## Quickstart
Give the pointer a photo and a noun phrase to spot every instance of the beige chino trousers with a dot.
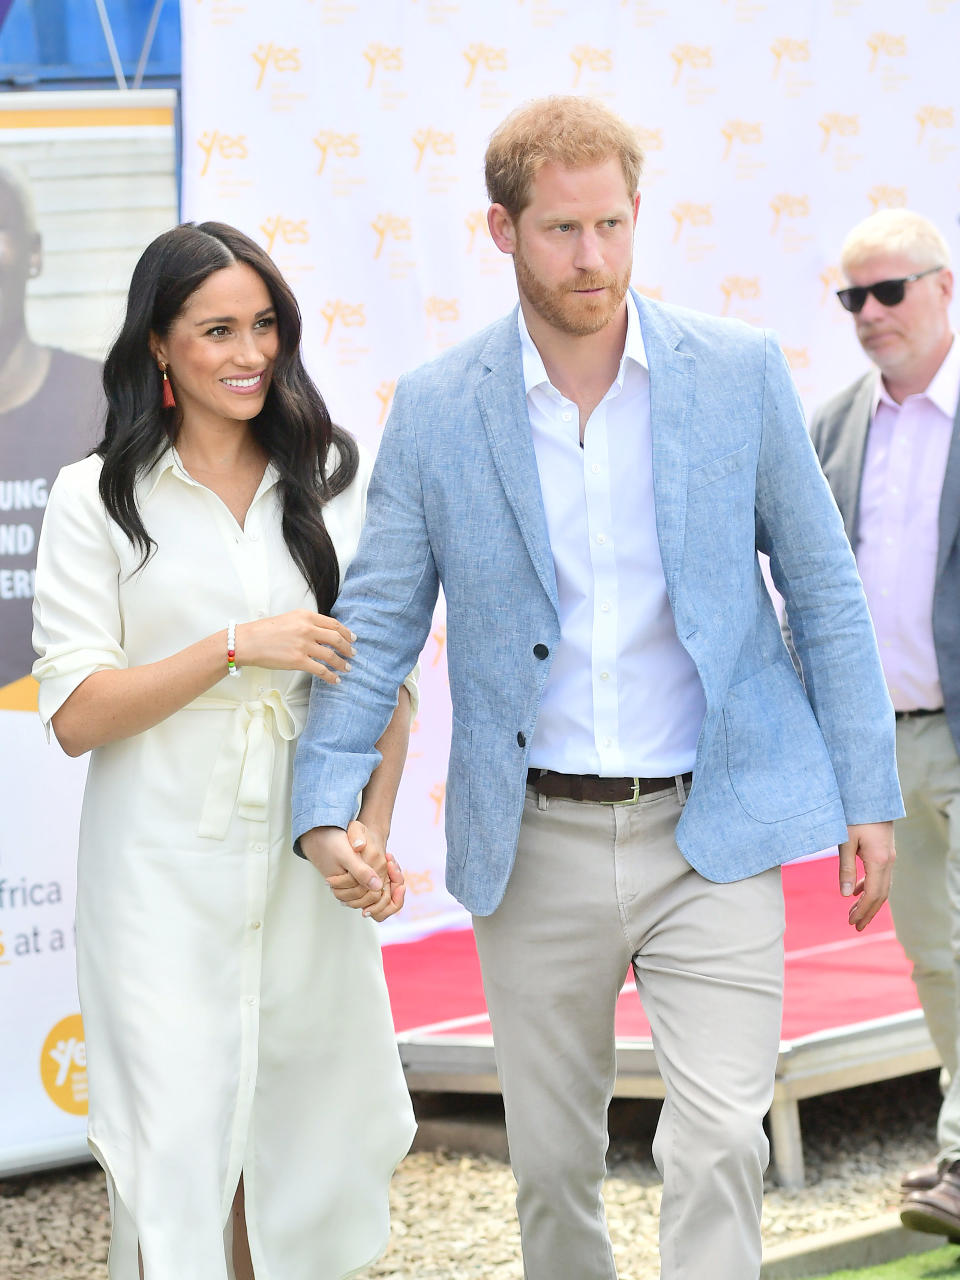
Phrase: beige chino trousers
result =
(925, 895)
(597, 888)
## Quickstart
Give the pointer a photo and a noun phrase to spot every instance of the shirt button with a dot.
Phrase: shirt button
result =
(604, 675)
(595, 468)
(521, 739)
(888, 541)
(540, 651)
(608, 742)
(601, 538)
(566, 415)
(605, 607)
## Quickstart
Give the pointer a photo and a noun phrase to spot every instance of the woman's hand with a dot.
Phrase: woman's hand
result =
(296, 641)
(386, 901)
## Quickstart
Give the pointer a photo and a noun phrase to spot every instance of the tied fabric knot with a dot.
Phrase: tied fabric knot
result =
(244, 768)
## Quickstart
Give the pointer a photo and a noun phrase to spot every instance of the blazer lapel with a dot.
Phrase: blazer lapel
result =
(672, 382)
(846, 471)
(502, 402)
(950, 497)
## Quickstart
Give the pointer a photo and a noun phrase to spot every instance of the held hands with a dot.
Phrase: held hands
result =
(872, 843)
(296, 641)
(357, 868)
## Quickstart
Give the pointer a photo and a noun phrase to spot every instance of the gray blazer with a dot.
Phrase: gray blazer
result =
(782, 766)
(839, 433)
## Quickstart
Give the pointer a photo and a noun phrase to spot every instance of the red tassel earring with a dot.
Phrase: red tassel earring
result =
(168, 400)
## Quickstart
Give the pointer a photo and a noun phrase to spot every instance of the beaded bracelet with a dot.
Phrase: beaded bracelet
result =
(232, 668)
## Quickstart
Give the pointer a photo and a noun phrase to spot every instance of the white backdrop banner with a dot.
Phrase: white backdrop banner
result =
(347, 136)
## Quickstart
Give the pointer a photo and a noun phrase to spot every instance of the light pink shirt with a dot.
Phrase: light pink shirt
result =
(623, 698)
(897, 531)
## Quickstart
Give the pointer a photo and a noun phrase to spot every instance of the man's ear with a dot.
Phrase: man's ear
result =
(502, 228)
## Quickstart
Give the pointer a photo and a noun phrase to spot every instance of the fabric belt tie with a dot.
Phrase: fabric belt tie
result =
(243, 770)
(916, 712)
(590, 787)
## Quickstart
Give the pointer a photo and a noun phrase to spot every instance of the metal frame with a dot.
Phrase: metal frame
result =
(807, 1067)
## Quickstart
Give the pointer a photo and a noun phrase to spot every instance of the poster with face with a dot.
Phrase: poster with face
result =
(85, 183)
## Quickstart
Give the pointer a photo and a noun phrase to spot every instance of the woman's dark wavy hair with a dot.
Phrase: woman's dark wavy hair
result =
(294, 427)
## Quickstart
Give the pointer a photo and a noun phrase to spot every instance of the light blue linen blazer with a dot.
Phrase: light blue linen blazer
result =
(781, 766)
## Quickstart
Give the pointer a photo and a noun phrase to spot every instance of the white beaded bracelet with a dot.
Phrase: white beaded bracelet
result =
(232, 668)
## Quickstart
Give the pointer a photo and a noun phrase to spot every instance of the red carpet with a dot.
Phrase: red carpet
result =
(835, 977)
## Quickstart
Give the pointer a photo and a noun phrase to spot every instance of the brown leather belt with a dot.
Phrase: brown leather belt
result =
(587, 786)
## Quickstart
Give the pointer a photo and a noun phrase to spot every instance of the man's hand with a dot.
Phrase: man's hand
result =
(872, 843)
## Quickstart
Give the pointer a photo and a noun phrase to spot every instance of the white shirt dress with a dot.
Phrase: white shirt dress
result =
(236, 1015)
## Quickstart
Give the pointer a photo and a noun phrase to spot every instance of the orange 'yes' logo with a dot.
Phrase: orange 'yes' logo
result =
(445, 310)
(226, 147)
(797, 357)
(441, 144)
(833, 124)
(385, 224)
(746, 288)
(741, 131)
(585, 56)
(690, 215)
(345, 146)
(483, 55)
(882, 197)
(787, 206)
(791, 50)
(350, 314)
(286, 230)
(832, 279)
(379, 57)
(933, 118)
(881, 43)
(650, 139)
(384, 394)
(270, 55)
(693, 56)
(475, 222)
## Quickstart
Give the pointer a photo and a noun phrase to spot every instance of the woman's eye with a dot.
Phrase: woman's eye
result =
(218, 331)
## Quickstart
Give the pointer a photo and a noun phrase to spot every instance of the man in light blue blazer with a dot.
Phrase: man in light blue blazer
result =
(633, 754)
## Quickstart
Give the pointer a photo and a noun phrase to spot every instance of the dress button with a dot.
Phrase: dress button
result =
(261, 613)
(259, 848)
(255, 924)
(540, 651)
(521, 739)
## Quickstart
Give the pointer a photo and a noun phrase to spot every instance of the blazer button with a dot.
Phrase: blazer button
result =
(521, 739)
(540, 651)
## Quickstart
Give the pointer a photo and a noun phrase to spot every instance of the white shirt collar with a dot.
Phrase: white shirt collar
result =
(169, 460)
(944, 388)
(534, 370)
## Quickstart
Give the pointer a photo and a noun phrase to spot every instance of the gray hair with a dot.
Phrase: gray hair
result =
(896, 231)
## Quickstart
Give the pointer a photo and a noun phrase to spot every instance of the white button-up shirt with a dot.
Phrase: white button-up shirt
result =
(623, 698)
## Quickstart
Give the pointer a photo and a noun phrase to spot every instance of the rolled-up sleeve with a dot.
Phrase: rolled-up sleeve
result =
(77, 626)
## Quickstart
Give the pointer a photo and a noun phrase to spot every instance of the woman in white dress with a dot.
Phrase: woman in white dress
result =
(246, 1097)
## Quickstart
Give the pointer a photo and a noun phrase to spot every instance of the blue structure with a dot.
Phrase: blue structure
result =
(64, 44)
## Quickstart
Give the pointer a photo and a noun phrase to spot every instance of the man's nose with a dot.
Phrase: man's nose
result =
(872, 309)
(588, 257)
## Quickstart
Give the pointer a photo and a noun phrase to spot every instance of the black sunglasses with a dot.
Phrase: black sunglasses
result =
(889, 293)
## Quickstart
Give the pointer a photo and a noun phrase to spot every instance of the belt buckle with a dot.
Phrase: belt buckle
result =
(634, 799)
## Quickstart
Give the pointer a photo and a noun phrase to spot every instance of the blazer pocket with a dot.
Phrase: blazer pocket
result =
(718, 468)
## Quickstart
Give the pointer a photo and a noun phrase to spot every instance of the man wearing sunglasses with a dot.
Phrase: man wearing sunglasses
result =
(890, 447)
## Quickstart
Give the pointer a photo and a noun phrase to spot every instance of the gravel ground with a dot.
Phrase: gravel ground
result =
(453, 1214)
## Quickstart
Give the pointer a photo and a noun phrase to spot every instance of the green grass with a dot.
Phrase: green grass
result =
(935, 1265)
